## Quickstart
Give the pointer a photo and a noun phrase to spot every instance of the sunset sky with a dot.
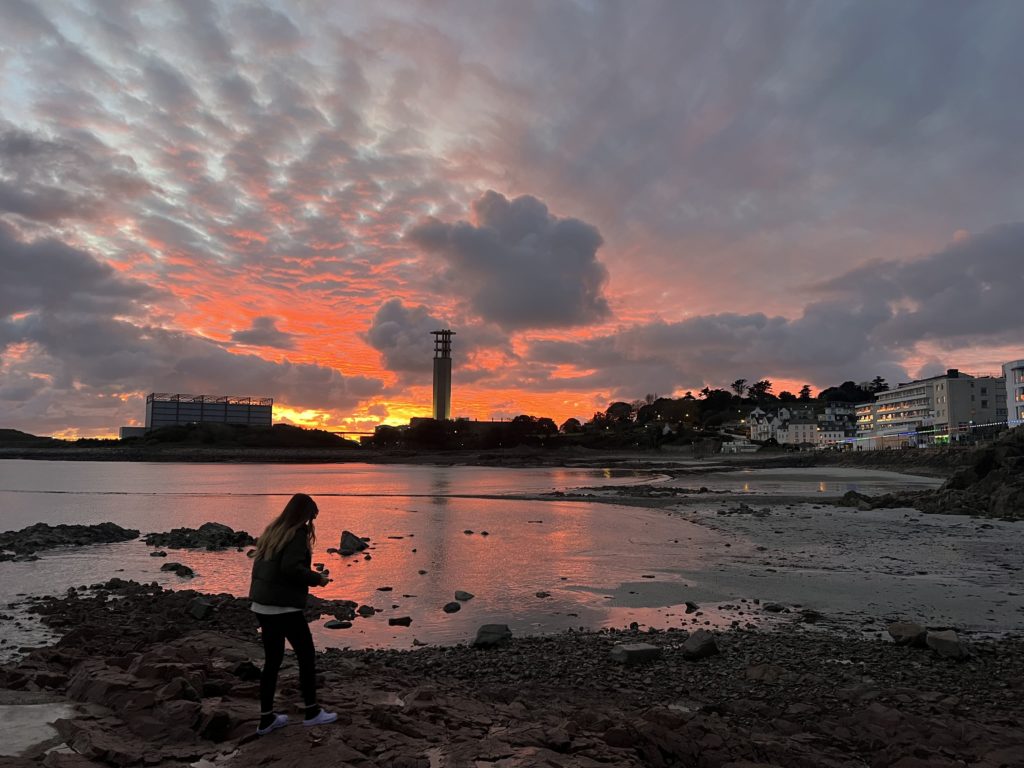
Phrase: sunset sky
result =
(602, 199)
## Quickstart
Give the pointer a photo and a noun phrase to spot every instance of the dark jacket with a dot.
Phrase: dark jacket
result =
(285, 578)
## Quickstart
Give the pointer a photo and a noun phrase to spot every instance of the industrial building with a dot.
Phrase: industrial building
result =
(169, 410)
(443, 374)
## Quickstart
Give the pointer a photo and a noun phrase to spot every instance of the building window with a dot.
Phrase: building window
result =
(984, 403)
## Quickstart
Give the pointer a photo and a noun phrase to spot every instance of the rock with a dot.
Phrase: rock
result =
(158, 553)
(384, 589)
(452, 607)
(634, 653)
(699, 645)
(209, 536)
(774, 607)
(492, 635)
(366, 610)
(691, 606)
(45, 536)
(765, 673)
(199, 608)
(908, 633)
(946, 644)
(463, 596)
(182, 570)
(400, 621)
(350, 544)
(854, 499)
(337, 624)
(543, 594)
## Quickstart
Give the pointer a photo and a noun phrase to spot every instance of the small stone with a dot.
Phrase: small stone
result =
(634, 653)
(543, 594)
(384, 589)
(452, 607)
(158, 553)
(691, 606)
(463, 596)
(337, 624)
(400, 621)
(366, 610)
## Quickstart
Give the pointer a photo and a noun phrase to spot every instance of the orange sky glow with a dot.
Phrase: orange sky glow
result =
(283, 200)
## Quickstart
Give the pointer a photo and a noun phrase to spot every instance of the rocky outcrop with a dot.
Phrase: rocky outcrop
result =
(992, 485)
(176, 689)
(209, 536)
(42, 536)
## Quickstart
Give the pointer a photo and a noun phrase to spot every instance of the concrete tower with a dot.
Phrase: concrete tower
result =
(442, 374)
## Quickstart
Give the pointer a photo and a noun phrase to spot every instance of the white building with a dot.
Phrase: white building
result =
(1013, 375)
(939, 409)
(810, 425)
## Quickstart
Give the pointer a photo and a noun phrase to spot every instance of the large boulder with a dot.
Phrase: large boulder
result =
(699, 645)
(908, 633)
(350, 544)
(492, 635)
(947, 644)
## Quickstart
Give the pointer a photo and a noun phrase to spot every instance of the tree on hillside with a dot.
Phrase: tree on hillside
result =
(689, 396)
(571, 426)
(786, 397)
(805, 393)
(760, 390)
(619, 412)
(878, 384)
(847, 392)
(739, 387)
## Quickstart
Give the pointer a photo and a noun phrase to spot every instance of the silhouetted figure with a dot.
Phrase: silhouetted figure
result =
(281, 578)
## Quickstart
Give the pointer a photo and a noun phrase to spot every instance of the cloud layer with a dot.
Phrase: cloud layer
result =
(282, 198)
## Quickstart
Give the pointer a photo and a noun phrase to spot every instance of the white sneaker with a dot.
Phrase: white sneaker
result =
(280, 721)
(323, 718)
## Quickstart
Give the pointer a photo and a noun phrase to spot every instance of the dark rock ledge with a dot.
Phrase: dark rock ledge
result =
(21, 545)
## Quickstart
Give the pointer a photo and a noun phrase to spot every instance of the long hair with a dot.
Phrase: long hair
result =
(297, 513)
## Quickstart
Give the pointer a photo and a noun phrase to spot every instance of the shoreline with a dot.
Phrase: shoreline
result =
(935, 462)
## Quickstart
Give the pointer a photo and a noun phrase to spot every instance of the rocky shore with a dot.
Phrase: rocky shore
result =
(171, 677)
(208, 536)
(23, 544)
(990, 485)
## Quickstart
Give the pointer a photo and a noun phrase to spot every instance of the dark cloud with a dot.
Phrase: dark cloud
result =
(520, 266)
(969, 291)
(402, 335)
(51, 276)
(49, 180)
(264, 333)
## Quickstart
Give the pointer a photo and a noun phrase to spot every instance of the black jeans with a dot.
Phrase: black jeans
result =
(278, 627)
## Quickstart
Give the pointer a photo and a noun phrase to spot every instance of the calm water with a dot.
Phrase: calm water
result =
(590, 558)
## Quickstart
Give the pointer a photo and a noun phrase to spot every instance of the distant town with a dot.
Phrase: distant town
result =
(949, 409)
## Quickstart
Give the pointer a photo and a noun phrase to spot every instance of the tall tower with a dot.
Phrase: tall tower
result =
(442, 374)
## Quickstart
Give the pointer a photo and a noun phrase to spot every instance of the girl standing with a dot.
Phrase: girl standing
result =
(281, 578)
